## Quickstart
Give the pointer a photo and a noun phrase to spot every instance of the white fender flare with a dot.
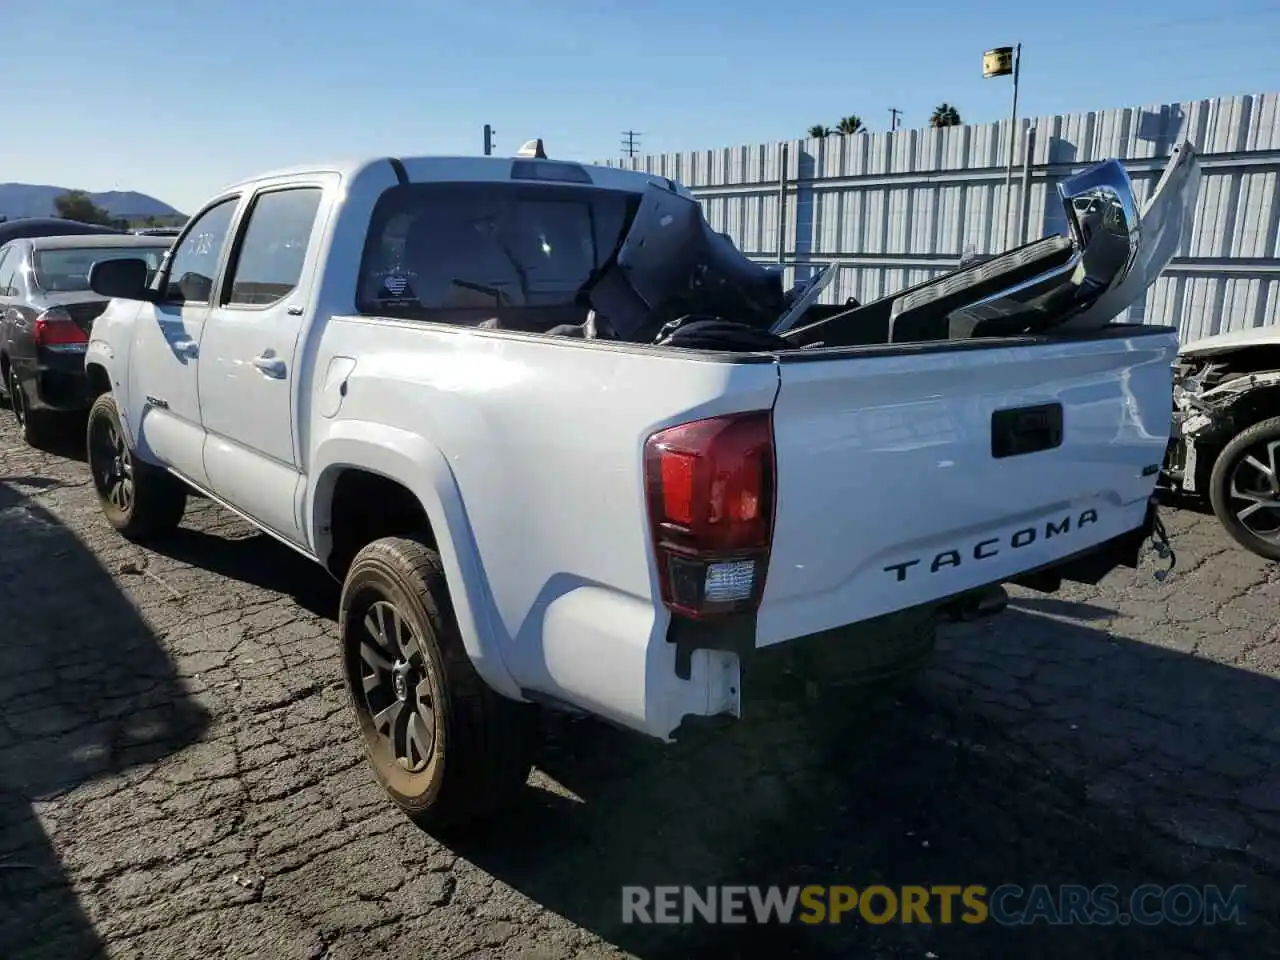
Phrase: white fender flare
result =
(99, 353)
(419, 466)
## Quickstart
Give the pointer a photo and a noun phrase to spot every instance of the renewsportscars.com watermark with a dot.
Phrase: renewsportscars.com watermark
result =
(1006, 905)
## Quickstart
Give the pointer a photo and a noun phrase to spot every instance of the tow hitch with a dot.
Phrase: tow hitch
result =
(977, 605)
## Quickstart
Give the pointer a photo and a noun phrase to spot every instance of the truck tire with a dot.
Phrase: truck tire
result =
(445, 747)
(1246, 500)
(140, 500)
(37, 426)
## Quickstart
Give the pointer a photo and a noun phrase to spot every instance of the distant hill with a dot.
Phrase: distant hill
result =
(36, 200)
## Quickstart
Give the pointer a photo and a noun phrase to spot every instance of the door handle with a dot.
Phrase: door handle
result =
(272, 366)
(186, 348)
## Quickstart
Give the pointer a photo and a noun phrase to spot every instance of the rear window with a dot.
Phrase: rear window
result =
(66, 269)
(453, 251)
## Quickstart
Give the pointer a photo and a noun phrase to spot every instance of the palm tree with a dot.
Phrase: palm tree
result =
(820, 130)
(850, 125)
(945, 115)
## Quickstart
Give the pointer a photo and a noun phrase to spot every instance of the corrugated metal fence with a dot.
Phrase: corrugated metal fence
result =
(901, 207)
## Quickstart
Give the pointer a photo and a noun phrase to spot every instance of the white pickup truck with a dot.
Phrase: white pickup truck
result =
(563, 445)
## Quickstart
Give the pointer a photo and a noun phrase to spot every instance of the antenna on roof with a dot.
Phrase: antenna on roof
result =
(533, 150)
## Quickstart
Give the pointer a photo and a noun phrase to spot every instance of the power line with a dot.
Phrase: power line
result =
(630, 142)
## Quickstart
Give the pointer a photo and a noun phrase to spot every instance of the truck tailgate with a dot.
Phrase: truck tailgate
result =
(909, 477)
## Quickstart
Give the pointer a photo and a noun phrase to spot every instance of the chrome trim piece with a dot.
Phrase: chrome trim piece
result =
(1102, 213)
(1057, 273)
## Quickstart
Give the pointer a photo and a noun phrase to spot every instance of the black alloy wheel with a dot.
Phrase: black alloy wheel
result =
(111, 464)
(399, 687)
(1245, 488)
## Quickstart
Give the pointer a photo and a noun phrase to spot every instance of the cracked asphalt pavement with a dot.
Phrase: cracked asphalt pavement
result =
(179, 777)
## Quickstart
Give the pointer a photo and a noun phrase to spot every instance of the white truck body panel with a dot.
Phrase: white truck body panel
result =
(526, 453)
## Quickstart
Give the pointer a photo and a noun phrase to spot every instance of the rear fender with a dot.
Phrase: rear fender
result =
(421, 468)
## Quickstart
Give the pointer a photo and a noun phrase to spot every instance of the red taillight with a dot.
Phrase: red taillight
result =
(54, 328)
(710, 487)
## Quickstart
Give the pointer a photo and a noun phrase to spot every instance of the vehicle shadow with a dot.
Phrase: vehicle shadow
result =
(1178, 500)
(235, 550)
(1034, 752)
(86, 692)
(67, 439)
(1063, 608)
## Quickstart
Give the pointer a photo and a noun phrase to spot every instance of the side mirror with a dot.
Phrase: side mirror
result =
(124, 279)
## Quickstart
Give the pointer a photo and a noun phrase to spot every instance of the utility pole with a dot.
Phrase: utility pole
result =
(629, 142)
(894, 114)
(488, 140)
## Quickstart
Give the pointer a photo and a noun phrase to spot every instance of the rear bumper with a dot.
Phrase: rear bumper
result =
(55, 382)
(737, 637)
(624, 660)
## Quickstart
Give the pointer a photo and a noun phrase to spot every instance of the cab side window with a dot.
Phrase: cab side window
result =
(194, 264)
(273, 247)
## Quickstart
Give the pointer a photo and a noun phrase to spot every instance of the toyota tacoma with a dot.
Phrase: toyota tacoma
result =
(565, 447)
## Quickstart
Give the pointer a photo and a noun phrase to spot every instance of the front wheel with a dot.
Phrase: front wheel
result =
(140, 500)
(444, 746)
(1244, 488)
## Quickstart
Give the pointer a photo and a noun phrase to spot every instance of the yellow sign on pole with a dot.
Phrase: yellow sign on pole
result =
(997, 62)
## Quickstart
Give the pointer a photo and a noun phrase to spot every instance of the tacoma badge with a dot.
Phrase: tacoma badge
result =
(986, 549)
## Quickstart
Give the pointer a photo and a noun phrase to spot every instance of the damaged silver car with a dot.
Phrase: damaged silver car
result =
(1225, 444)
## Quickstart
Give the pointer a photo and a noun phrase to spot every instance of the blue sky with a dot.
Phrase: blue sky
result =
(178, 97)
